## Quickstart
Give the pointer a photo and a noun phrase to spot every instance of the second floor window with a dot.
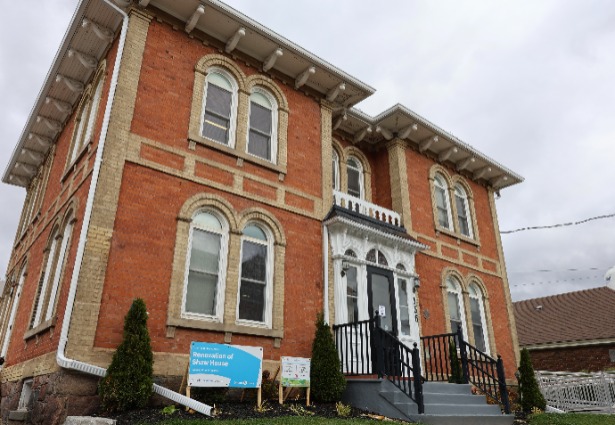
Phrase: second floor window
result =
(220, 106)
(443, 205)
(355, 178)
(464, 219)
(262, 127)
(336, 170)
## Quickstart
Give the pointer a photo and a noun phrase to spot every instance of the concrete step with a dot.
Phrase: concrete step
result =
(88, 420)
(464, 419)
(446, 388)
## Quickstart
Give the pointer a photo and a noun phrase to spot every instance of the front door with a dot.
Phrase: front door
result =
(381, 298)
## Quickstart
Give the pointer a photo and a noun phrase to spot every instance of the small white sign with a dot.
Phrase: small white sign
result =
(382, 311)
(295, 372)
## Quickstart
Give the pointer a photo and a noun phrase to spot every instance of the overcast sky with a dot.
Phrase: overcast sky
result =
(529, 83)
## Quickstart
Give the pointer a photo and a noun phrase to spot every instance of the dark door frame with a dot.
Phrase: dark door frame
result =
(389, 275)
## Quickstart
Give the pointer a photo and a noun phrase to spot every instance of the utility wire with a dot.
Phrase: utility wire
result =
(553, 226)
(555, 281)
(558, 271)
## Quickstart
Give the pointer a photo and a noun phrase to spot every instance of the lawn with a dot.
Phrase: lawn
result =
(571, 419)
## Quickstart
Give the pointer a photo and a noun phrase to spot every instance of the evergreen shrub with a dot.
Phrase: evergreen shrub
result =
(327, 381)
(529, 392)
(129, 379)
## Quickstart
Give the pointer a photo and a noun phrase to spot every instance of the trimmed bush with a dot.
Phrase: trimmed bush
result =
(456, 376)
(529, 392)
(327, 381)
(129, 379)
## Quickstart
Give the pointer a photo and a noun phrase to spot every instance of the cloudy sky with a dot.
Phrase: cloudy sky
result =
(529, 83)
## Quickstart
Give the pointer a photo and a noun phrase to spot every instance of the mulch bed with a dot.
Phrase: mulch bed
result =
(233, 410)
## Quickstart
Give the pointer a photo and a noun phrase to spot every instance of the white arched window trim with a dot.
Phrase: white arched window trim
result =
(59, 269)
(269, 264)
(453, 289)
(233, 107)
(273, 148)
(476, 295)
(222, 265)
(442, 202)
(336, 170)
(358, 168)
(464, 215)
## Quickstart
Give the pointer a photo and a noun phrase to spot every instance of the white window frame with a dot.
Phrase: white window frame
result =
(439, 183)
(476, 293)
(461, 193)
(234, 102)
(359, 168)
(92, 113)
(274, 124)
(268, 276)
(9, 327)
(26, 395)
(456, 290)
(40, 303)
(336, 170)
(59, 270)
(222, 265)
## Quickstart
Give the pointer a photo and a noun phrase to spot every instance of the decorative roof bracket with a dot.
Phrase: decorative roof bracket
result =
(52, 124)
(33, 155)
(63, 107)
(426, 144)
(385, 133)
(104, 33)
(339, 121)
(30, 169)
(497, 181)
(360, 135)
(73, 85)
(465, 163)
(42, 141)
(447, 153)
(87, 61)
(335, 91)
(479, 174)
(272, 58)
(232, 42)
(405, 132)
(194, 19)
(304, 76)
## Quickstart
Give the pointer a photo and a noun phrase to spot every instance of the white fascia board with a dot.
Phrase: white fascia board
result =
(75, 23)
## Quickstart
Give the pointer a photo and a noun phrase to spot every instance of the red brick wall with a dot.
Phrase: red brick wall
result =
(164, 99)
(140, 265)
(574, 359)
(58, 192)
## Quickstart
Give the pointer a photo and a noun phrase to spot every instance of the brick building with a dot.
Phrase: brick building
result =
(182, 153)
(571, 332)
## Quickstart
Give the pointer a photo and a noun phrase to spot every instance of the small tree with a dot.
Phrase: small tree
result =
(327, 381)
(129, 379)
(529, 393)
(455, 376)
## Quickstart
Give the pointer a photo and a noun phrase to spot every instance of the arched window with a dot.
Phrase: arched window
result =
(455, 306)
(464, 218)
(479, 325)
(355, 178)
(336, 170)
(255, 287)
(443, 204)
(204, 284)
(87, 114)
(49, 282)
(376, 256)
(220, 107)
(404, 294)
(262, 133)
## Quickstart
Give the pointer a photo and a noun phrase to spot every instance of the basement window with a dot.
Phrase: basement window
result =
(26, 395)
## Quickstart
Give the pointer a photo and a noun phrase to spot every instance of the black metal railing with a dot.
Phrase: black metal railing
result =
(366, 349)
(440, 352)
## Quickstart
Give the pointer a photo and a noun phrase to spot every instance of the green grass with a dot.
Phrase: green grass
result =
(571, 419)
(285, 420)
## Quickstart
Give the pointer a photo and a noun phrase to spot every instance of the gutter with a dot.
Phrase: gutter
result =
(62, 359)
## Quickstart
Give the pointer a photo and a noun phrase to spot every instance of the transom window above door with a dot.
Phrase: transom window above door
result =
(376, 256)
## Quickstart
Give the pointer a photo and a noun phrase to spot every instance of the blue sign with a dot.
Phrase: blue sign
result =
(221, 365)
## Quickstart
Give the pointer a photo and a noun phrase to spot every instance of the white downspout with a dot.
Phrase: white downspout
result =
(62, 360)
(325, 256)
